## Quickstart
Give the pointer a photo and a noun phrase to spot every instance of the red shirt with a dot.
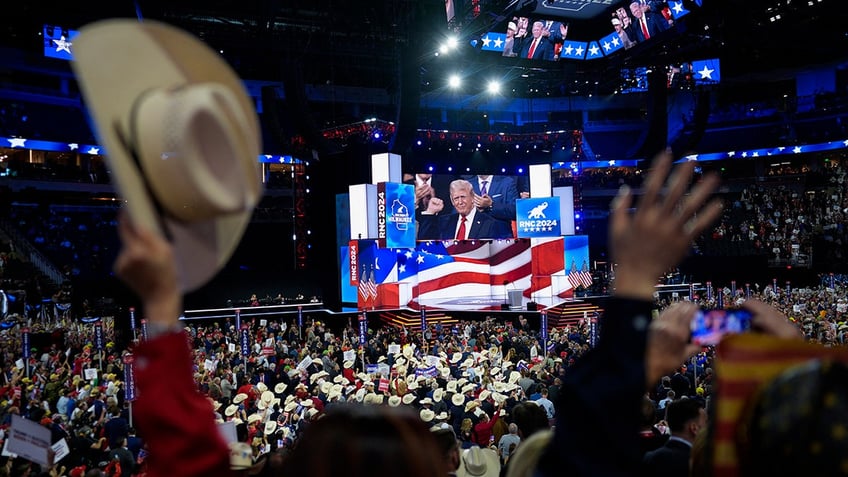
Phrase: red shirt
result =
(176, 420)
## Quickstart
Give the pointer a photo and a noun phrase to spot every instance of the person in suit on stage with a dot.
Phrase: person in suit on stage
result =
(537, 47)
(428, 186)
(464, 224)
(495, 195)
(645, 26)
(686, 418)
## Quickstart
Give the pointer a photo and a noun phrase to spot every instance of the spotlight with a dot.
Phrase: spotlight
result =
(494, 87)
(454, 81)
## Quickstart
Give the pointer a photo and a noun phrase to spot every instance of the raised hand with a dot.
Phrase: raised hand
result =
(654, 238)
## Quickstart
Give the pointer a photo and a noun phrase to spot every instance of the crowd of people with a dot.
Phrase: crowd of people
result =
(479, 398)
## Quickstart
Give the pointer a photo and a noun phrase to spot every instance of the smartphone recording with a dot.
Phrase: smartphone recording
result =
(710, 326)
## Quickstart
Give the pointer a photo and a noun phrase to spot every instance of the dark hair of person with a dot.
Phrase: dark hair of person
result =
(360, 441)
(530, 418)
(679, 412)
(649, 413)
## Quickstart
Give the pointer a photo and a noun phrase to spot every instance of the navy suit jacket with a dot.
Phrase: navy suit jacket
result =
(653, 27)
(503, 191)
(672, 459)
(544, 50)
(443, 227)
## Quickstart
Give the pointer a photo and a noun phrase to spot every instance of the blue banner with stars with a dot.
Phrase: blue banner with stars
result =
(538, 217)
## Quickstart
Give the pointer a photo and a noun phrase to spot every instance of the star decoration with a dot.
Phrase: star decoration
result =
(17, 142)
(845, 142)
(745, 154)
(677, 7)
(797, 150)
(63, 45)
(731, 153)
(420, 259)
(781, 148)
(486, 41)
(693, 157)
(756, 154)
(615, 41)
(408, 254)
(594, 50)
(498, 43)
(94, 151)
(706, 73)
(578, 51)
(73, 146)
(402, 268)
(568, 49)
(607, 46)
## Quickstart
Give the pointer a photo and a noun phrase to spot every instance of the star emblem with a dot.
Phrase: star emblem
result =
(594, 50)
(693, 157)
(408, 254)
(781, 148)
(845, 143)
(420, 259)
(486, 41)
(706, 73)
(17, 142)
(568, 49)
(797, 150)
(73, 146)
(94, 151)
(745, 154)
(731, 153)
(63, 45)
(579, 51)
(498, 43)
(677, 7)
(607, 46)
(615, 41)
(756, 154)
(402, 268)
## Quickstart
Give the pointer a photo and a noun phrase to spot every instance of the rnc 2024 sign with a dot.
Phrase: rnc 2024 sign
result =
(538, 217)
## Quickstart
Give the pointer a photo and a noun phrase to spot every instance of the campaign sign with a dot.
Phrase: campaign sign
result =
(144, 330)
(538, 217)
(395, 215)
(544, 327)
(245, 341)
(25, 341)
(29, 439)
(132, 318)
(98, 336)
(363, 328)
(129, 377)
(423, 319)
(299, 317)
(238, 319)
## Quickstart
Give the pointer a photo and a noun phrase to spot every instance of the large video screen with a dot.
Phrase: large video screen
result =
(551, 32)
(489, 199)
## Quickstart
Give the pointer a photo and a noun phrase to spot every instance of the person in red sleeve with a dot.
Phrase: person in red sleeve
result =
(169, 410)
(482, 434)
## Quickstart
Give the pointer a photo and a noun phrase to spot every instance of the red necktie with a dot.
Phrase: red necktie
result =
(460, 234)
(532, 49)
(645, 28)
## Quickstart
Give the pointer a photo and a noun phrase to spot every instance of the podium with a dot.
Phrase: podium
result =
(514, 298)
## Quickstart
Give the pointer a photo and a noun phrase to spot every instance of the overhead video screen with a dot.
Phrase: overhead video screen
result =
(557, 30)
(58, 42)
